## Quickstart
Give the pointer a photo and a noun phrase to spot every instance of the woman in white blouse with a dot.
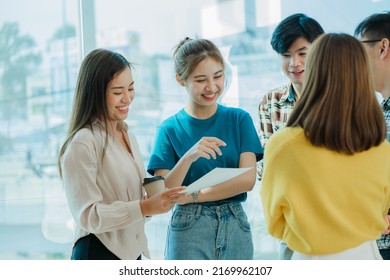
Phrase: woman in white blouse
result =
(101, 165)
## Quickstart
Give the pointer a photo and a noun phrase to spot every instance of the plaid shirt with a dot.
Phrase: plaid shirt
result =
(386, 109)
(384, 241)
(274, 111)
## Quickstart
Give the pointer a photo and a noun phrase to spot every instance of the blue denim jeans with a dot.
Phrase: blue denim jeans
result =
(202, 232)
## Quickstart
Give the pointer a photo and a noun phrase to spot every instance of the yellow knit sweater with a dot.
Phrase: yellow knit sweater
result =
(323, 202)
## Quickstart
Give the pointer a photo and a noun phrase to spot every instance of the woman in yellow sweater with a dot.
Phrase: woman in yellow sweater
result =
(326, 183)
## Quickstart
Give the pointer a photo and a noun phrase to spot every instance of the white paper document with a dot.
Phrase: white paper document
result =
(214, 177)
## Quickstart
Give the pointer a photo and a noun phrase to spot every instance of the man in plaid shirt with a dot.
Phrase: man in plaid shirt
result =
(374, 33)
(291, 40)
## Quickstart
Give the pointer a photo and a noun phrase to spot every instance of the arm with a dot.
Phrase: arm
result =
(240, 184)
(387, 231)
(161, 203)
(207, 147)
(85, 199)
(264, 129)
(272, 209)
(249, 150)
(98, 213)
(272, 193)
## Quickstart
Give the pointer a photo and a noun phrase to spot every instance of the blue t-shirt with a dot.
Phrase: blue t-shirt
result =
(177, 134)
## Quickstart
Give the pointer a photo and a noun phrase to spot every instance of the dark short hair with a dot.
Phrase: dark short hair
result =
(375, 26)
(292, 28)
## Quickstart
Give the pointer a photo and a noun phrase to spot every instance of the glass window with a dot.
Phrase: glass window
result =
(40, 55)
(39, 60)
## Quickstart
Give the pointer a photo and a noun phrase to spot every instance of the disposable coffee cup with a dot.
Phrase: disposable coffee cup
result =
(154, 185)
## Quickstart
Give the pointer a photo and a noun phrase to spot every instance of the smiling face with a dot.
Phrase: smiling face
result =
(293, 62)
(205, 85)
(119, 95)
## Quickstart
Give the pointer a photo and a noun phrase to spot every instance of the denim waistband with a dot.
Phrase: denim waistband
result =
(231, 208)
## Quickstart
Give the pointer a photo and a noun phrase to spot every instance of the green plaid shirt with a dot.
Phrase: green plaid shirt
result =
(384, 241)
(386, 109)
(274, 111)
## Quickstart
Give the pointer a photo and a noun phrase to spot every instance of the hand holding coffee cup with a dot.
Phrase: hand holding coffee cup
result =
(154, 185)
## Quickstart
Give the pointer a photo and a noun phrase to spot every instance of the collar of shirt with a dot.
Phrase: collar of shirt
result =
(121, 125)
(289, 95)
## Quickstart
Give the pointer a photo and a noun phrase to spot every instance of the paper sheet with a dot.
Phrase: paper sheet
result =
(214, 177)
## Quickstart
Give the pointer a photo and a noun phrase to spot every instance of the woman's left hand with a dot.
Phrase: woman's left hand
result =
(186, 199)
(387, 231)
(161, 202)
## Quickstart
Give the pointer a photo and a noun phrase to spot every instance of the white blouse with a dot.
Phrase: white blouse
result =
(103, 195)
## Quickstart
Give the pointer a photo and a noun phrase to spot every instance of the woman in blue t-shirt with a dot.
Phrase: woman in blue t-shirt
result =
(210, 224)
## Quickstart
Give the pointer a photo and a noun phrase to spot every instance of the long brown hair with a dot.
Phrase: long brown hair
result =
(97, 70)
(338, 108)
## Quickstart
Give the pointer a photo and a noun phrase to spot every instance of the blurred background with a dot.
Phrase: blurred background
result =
(42, 44)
